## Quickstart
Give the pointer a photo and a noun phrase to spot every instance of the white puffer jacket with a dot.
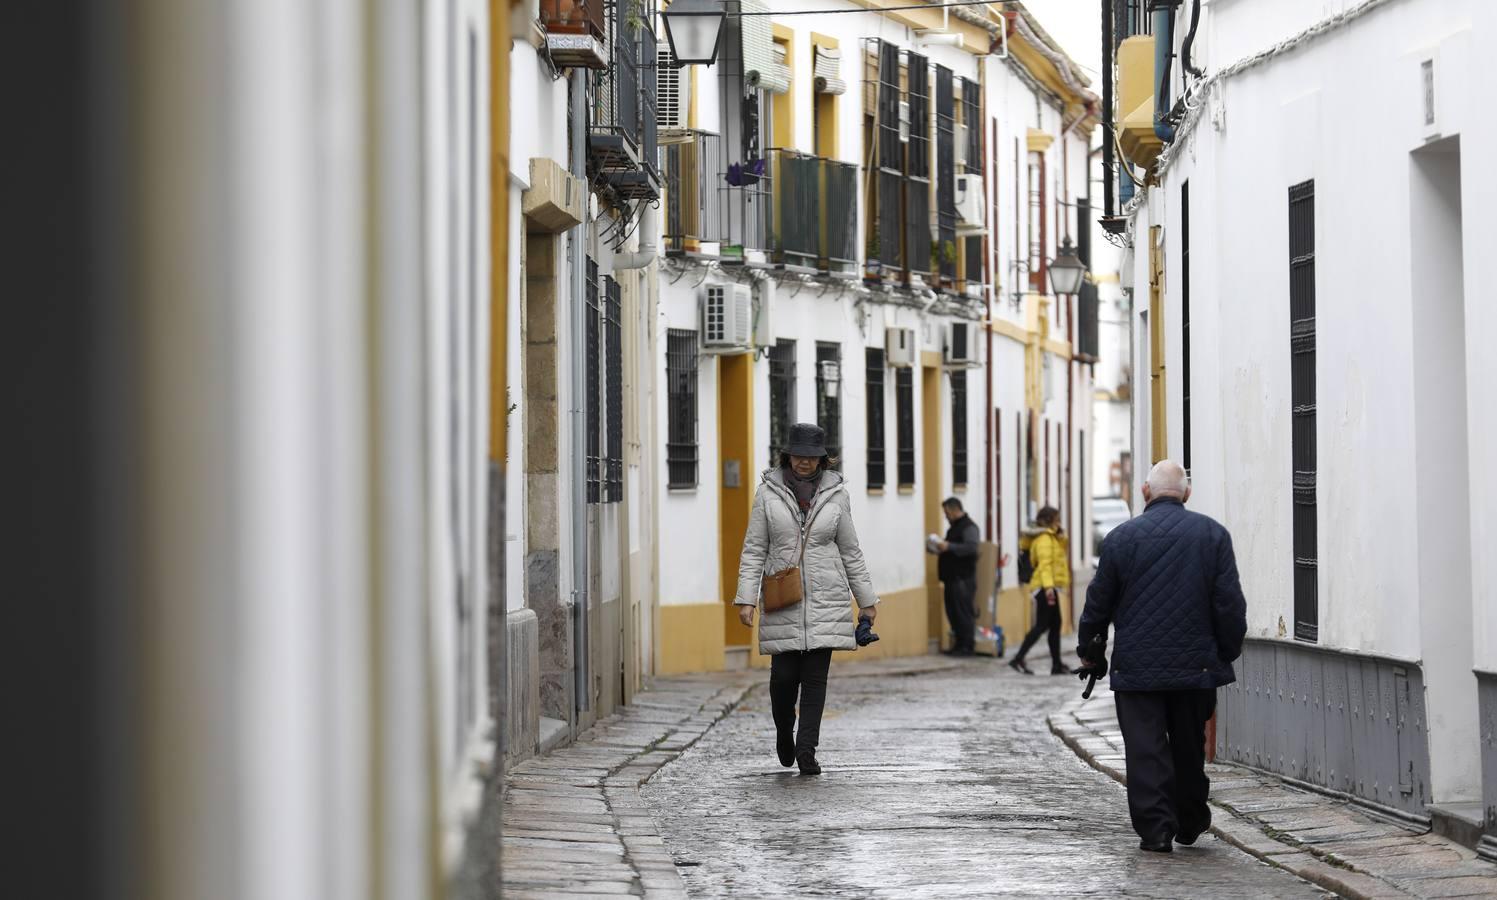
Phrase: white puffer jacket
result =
(833, 571)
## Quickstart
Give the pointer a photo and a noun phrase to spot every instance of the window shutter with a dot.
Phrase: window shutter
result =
(762, 68)
(828, 71)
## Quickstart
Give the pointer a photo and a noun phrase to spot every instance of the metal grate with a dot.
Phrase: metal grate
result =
(781, 397)
(917, 242)
(904, 403)
(917, 151)
(972, 118)
(946, 173)
(1303, 409)
(959, 427)
(1037, 262)
(829, 407)
(613, 333)
(874, 385)
(670, 111)
(594, 413)
(681, 408)
(797, 194)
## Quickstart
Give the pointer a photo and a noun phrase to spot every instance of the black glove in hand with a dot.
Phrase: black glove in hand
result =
(1093, 667)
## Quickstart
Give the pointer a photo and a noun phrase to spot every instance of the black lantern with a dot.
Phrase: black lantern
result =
(694, 29)
(1066, 270)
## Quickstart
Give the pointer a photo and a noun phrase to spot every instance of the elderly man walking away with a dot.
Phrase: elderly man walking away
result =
(1167, 583)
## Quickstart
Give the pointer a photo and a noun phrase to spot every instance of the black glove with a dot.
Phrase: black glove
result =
(1094, 666)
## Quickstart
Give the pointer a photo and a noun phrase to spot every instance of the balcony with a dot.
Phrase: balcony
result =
(815, 213)
(693, 210)
(622, 132)
(1135, 101)
(575, 31)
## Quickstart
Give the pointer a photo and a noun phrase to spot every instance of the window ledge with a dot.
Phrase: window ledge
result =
(959, 488)
(876, 491)
(682, 490)
(907, 489)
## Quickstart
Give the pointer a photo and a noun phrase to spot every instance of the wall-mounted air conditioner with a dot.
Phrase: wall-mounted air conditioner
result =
(962, 351)
(900, 347)
(971, 202)
(961, 145)
(904, 121)
(672, 98)
(727, 317)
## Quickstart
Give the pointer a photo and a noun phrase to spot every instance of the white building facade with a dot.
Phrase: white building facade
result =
(1308, 274)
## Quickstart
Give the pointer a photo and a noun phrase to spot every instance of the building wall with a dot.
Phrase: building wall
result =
(1388, 341)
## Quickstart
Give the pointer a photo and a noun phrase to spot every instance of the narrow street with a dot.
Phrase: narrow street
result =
(935, 785)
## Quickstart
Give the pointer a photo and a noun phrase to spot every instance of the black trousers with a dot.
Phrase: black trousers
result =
(959, 612)
(802, 673)
(1164, 738)
(1046, 618)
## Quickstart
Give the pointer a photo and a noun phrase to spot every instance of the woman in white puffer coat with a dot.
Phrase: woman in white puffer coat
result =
(803, 498)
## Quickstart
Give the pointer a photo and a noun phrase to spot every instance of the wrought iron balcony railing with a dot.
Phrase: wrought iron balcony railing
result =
(693, 211)
(623, 131)
(815, 213)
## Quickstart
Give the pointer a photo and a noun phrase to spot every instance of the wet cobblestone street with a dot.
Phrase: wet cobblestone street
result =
(936, 785)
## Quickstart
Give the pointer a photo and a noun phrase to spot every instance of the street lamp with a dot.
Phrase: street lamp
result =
(694, 29)
(1066, 270)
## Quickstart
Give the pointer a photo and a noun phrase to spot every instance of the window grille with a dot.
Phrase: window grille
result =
(829, 408)
(1303, 409)
(959, 427)
(613, 475)
(681, 408)
(1037, 262)
(904, 401)
(946, 174)
(972, 118)
(594, 413)
(874, 378)
(781, 397)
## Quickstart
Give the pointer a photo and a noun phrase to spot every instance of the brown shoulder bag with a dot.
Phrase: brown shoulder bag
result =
(783, 589)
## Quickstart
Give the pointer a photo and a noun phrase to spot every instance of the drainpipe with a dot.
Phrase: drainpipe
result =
(1107, 112)
(1164, 46)
(580, 660)
(648, 237)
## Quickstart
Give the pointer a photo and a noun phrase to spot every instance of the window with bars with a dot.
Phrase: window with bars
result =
(959, 427)
(904, 411)
(1185, 322)
(594, 411)
(1303, 409)
(681, 408)
(874, 385)
(946, 174)
(884, 190)
(613, 334)
(829, 401)
(972, 118)
(781, 397)
(998, 473)
(1037, 264)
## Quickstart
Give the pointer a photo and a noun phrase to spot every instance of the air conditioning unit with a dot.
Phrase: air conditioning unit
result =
(904, 121)
(962, 350)
(961, 145)
(672, 98)
(727, 317)
(970, 204)
(900, 348)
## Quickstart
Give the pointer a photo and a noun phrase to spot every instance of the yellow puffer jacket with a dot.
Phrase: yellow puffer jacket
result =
(1050, 553)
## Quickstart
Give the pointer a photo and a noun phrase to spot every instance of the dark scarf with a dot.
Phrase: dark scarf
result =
(804, 488)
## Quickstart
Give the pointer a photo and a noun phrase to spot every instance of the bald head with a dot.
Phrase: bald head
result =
(1167, 479)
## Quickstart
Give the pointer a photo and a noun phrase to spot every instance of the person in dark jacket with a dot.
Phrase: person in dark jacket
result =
(957, 568)
(1167, 583)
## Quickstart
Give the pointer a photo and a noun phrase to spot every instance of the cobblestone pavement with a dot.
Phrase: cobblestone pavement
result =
(1331, 842)
(942, 785)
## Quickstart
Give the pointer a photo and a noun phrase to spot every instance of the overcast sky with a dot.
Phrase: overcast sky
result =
(1077, 25)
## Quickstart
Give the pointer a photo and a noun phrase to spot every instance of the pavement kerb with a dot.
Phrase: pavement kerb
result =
(1300, 859)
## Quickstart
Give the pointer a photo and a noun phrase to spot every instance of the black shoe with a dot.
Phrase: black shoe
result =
(1164, 846)
(1190, 837)
(1060, 669)
(807, 761)
(784, 744)
(1018, 666)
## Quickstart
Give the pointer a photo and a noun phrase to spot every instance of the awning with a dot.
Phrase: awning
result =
(828, 71)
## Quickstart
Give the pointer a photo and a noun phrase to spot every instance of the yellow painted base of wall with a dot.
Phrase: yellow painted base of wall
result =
(691, 639)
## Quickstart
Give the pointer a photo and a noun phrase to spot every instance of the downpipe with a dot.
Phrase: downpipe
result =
(648, 250)
(581, 689)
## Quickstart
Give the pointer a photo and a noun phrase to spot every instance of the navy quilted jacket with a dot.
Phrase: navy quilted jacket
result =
(1167, 583)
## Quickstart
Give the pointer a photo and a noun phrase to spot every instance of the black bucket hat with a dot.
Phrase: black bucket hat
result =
(806, 439)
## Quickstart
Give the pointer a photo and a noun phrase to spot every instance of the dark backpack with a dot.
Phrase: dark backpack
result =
(1026, 567)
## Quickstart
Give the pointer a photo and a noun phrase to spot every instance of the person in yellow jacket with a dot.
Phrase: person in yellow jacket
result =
(1049, 553)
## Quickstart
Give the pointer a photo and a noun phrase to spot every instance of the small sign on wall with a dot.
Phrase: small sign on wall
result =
(731, 475)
